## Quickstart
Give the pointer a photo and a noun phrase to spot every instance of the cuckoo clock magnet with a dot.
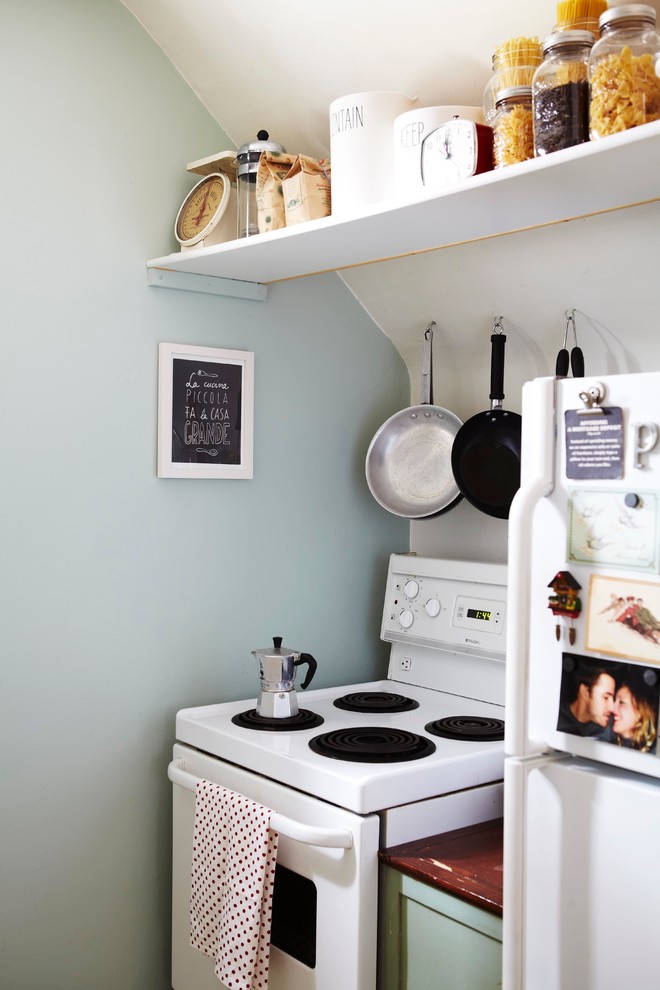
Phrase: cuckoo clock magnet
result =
(564, 602)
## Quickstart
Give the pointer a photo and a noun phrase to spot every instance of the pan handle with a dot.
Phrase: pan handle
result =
(426, 394)
(497, 340)
(576, 355)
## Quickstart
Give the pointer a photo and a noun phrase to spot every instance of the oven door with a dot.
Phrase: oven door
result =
(324, 930)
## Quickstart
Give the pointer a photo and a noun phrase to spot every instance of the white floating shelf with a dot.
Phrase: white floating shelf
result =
(598, 177)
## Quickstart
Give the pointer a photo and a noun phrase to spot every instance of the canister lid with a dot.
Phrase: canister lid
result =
(628, 11)
(514, 93)
(559, 39)
(248, 155)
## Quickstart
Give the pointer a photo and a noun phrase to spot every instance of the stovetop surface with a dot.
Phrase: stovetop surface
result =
(361, 787)
(445, 621)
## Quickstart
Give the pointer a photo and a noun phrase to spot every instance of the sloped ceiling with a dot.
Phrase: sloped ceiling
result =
(278, 65)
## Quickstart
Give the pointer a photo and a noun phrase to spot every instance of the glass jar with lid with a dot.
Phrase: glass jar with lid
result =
(625, 88)
(513, 127)
(514, 63)
(560, 92)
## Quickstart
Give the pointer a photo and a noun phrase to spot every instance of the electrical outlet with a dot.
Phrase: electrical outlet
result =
(405, 663)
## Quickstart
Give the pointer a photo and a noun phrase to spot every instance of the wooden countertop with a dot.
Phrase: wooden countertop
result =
(466, 863)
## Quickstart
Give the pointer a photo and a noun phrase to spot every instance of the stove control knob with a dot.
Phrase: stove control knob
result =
(411, 589)
(406, 618)
(432, 607)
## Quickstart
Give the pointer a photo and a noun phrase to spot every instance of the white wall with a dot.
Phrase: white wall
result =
(125, 597)
(604, 267)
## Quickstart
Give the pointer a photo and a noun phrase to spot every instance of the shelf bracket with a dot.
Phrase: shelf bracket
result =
(165, 278)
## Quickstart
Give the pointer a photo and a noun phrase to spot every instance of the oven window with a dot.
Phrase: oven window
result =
(293, 928)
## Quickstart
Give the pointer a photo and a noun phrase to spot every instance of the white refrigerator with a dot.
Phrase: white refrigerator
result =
(582, 769)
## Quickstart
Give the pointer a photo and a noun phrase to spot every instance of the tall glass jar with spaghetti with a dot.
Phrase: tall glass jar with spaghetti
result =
(579, 15)
(625, 89)
(514, 63)
(560, 92)
(513, 128)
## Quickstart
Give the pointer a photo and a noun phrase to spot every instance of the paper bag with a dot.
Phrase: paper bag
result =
(273, 166)
(307, 190)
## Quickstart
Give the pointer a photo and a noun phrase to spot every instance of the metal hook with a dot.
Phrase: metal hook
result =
(570, 320)
(498, 326)
(428, 333)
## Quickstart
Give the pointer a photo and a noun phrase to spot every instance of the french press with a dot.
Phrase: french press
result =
(246, 179)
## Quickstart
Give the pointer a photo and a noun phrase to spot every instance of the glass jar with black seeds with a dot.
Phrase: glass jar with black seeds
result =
(560, 92)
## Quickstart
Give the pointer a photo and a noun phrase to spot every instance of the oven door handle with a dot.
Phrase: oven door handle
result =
(333, 838)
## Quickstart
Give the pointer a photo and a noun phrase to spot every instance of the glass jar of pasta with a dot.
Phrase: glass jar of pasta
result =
(514, 63)
(513, 127)
(625, 89)
(579, 15)
(560, 92)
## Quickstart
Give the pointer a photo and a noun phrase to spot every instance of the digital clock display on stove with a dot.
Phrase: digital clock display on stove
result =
(481, 615)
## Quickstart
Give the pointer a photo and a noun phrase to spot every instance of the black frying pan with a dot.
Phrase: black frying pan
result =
(485, 457)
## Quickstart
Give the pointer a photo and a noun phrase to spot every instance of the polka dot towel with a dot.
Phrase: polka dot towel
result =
(233, 872)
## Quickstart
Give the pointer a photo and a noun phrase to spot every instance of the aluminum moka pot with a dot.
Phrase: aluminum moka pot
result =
(277, 671)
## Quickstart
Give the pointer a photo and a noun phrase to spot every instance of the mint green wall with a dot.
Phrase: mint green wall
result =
(125, 597)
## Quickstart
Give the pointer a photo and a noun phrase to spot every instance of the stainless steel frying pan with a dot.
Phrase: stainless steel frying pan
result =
(408, 464)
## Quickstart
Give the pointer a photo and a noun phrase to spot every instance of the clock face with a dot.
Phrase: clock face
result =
(202, 208)
(449, 154)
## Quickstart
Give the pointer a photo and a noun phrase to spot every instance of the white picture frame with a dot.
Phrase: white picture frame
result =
(205, 412)
(623, 618)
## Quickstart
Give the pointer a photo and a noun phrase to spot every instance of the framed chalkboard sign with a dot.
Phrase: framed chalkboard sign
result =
(205, 412)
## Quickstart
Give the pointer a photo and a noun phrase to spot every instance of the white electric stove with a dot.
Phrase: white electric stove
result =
(344, 783)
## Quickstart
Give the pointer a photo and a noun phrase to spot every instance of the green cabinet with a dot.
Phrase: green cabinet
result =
(431, 940)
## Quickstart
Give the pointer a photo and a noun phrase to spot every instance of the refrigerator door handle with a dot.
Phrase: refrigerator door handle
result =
(537, 481)
(515, 854)
(332, 838)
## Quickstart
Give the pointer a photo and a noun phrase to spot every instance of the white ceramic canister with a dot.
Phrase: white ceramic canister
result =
(410, 129)
(361, 148)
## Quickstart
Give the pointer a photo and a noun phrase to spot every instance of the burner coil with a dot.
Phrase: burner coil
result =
(471, 728)
(372, 745)
(304, 719)
(377, 702)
